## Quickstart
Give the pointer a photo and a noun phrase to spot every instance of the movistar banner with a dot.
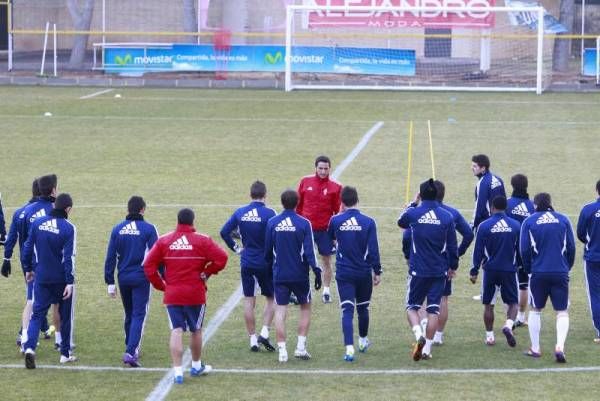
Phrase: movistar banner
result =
(345, 60)
(589, 62)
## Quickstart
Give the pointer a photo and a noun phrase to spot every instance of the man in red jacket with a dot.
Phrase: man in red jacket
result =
(189, 259)
(319, 200)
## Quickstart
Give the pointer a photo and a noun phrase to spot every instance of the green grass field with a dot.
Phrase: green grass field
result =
(203, 149)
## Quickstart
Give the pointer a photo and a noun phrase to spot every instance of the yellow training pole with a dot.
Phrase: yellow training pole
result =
(409, 169)
(431, 149)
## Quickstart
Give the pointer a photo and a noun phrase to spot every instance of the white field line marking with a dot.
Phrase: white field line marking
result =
(163, 388)
(362, 372)
(297, 120)
(467, 212)
(288, 99)
(91, 95)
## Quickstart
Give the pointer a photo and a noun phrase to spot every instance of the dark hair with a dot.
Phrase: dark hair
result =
(135, 204)
(63, 201)
(598, 187)
(441, 190)
(322, 159)
(542, 202)
(427, 190)
(289, 199)
(35, 188)
(519, 183)
(258, 190)
(481, 161)
(349, 196)
(47, 183)
(185, 216)
(499, 203)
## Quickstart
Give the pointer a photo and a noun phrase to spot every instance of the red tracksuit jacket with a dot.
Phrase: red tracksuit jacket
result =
(185, 255)
(319, 200)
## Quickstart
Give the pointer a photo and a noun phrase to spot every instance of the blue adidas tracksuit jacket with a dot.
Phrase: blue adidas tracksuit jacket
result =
(357, 252)
(33, 211)
(251, 220)
(50, 252)
(488, 187)
(547, 243)
(433, 246)
(519, 208)
(14, 230)
(496, 244)
(588, 231)
(129, 242)
(461, 226)
(289, 247)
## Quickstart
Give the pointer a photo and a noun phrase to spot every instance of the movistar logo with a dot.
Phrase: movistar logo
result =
(123, 60)
(273, 59)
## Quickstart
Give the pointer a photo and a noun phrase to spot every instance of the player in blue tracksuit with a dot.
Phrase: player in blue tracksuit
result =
(42, 207)
(433, 259)
(49, 256)
(496, 249)
(488, 187)
(588, 232)
(548, 251)
(467, 236)
(289, 250)
(250, 222)
(519, 207)
(130, 241)
(357, 265)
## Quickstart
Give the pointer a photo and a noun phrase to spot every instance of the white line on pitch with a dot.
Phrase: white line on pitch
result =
(344, 372)
(163, 388)
(91, 95)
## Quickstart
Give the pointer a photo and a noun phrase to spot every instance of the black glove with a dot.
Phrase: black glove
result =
(6, 268)
(318, 280)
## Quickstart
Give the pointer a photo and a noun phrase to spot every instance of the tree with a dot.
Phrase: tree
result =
(190, 20)
(82, 20)
(562, 47)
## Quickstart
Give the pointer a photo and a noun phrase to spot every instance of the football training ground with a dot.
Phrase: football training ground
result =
(203, 149)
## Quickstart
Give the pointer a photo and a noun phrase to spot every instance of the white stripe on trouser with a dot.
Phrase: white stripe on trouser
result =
(408, 280)
(72, 317)
(589, 296)
(139, 346)
(200, 317)
(169, 317)
(531, 299)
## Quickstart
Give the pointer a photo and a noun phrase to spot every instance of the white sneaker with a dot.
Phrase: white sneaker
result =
(283, 355)
(69, 359)
(302, 354)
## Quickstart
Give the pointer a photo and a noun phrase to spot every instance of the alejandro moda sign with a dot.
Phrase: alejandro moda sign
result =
(181, 57)
(399, 19)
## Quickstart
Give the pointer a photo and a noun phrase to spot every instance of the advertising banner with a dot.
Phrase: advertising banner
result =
(589, 62)
(401, 19)
(182, 57)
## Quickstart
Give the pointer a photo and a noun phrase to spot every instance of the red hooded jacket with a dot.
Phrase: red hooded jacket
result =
(185, 255)
(319, 200)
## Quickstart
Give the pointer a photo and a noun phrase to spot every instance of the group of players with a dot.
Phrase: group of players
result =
(525, 249)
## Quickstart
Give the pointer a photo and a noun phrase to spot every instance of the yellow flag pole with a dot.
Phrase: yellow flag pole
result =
(409, 169)
(431, 149)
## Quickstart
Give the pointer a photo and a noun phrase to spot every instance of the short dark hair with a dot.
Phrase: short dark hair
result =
(35, 188)
(441, 190)
(542, 202)
(322, 159)
(258, 190)
(349, 196)
(63, 201)
(427, 190)
(289, 199)
(186, 216)
(499, 203)
(481, 161)
(519, 182)
(47, 183)
(598, 187)
(135, 204)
